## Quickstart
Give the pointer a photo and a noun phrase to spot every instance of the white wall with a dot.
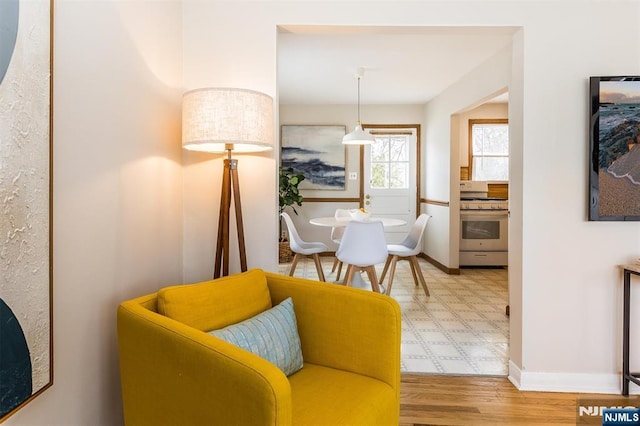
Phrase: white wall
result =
(516, 107)
(342, 115)
(571, 285)
(567, 274)
(228, 56)
(116, 190)
(442, 140)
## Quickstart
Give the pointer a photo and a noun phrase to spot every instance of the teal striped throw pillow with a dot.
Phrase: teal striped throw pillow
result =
(272, 335)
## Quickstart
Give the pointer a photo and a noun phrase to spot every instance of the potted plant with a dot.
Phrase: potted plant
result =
(289, 195)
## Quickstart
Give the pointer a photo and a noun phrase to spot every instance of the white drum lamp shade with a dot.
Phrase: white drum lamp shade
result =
(227, 120)
(218, 119)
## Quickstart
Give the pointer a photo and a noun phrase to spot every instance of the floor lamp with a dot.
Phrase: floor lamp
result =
(226, 120)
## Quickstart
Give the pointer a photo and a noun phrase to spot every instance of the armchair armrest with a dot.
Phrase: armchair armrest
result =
(174, 374)
(344, 328)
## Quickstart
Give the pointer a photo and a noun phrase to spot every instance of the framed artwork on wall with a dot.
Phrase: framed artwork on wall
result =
(317, 152)
(26, 337)
(614, 143)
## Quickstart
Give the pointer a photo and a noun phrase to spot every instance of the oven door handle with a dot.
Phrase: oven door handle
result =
(484, 213)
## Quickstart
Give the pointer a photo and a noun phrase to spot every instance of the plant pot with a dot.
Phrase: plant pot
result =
(285, 255)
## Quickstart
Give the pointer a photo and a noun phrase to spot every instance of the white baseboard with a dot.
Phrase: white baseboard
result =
(568, 382)
(515, 375)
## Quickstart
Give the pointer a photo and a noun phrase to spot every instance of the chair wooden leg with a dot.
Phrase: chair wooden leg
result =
(294, 262)
(316, 259)
(371, 273)
(335, 263)
(339, 270)
(386, 266)
(413, 271)
(348, 276)
(416, 265)
(392, 273)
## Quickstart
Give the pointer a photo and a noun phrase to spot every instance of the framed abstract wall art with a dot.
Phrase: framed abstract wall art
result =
(317, 152)
(26, 366)
(614, 162)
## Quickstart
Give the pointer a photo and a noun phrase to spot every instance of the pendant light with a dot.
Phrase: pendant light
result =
(358, 136)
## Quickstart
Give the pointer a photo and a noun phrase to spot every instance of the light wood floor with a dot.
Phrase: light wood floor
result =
(465, 400)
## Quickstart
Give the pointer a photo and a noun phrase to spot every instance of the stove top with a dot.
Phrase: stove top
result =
(473, 196)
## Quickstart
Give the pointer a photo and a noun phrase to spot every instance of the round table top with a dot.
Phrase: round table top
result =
(333, 222)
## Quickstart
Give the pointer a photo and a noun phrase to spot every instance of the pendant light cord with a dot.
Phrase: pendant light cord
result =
(359, 100)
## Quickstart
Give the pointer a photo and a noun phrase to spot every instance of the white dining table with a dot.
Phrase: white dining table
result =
(332, 222)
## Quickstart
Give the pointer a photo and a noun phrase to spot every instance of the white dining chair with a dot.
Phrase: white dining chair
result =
(407, 250)
(362, 247)
(302, 248)
(336, 236)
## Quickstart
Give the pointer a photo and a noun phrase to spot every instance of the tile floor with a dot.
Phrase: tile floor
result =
(461, 329)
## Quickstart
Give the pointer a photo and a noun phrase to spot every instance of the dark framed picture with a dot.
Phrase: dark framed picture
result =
(614, 143)
(317, 152)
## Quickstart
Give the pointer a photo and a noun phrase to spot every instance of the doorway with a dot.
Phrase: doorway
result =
(391, 175)
(439, 159)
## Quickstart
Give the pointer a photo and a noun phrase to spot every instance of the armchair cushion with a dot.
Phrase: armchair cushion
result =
(272, 335)
(324, 396)
(218, 303)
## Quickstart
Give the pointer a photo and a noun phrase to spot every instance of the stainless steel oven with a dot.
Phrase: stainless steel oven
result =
(484, 230)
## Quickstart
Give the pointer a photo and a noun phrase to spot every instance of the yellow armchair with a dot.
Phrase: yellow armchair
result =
(177, 374)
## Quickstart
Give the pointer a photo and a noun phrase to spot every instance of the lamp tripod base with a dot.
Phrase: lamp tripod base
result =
(230, 189)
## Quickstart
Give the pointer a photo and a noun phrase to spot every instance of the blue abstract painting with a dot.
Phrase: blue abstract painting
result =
(316, 152)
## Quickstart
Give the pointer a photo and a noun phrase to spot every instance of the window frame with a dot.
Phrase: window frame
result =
(389, 162)
(470, 137)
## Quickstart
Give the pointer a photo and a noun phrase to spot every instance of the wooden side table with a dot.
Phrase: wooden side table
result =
(627, 375)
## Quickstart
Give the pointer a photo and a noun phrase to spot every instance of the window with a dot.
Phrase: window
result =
(489, 149)
(390, 162)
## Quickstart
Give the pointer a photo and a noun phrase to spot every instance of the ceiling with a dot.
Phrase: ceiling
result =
(402, 65)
